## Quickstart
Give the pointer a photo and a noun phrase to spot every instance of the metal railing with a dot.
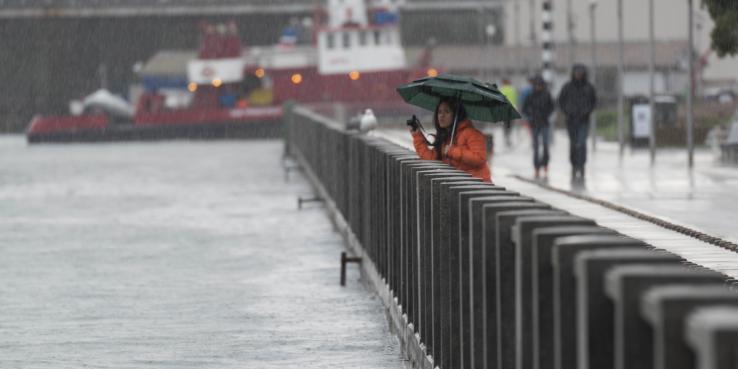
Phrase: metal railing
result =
(483, 277)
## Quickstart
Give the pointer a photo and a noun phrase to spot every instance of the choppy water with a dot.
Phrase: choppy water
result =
(173, 255)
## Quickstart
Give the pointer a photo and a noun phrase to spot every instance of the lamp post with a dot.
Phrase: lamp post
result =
(651, 63)
(516, 10)
(570, 34)
(531, 37)
(517, 54)
(547, 41)
(621, 77)
(532, 22)
(690, 111)
(489, 33)
(593, 51)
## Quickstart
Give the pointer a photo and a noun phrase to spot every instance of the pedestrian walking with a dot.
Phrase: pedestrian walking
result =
(468, 152)
(511, 93)
(577, 100)
(526, 90)
(538, 107)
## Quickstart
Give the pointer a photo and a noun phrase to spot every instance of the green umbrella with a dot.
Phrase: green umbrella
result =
(482, 101)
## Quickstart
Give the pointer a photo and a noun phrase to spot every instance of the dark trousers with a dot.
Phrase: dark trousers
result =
(578, 129)
(540, 133)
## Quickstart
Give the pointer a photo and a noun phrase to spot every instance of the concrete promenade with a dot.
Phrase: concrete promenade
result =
(705, 199)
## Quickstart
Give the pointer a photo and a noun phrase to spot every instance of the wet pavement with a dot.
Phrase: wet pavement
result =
(174, 255)
(704, 199)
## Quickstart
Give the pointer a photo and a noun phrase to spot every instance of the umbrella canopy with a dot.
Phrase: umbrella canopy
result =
(482, 101)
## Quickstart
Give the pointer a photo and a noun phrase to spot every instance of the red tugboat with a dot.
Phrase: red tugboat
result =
(228, 91)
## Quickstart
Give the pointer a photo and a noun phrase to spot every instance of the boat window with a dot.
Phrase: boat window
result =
(330, 41)
(362, 38)
(346, 40)
(388, 38)
(377, 40)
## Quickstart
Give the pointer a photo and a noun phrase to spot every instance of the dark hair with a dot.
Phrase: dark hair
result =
(444, 134)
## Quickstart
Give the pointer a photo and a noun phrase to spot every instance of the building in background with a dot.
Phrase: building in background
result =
(493, 63)
(52, 55)
(670, 30)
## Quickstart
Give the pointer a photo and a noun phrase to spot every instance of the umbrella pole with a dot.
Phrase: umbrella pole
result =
(453, 131)
(456, 118)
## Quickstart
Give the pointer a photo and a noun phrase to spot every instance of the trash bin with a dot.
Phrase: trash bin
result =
(664, 116)
(640, 121)
(665, 112)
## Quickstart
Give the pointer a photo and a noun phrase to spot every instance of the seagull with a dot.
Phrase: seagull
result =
(368, 121)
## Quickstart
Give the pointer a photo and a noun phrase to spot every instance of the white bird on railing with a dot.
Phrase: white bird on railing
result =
(368, 121)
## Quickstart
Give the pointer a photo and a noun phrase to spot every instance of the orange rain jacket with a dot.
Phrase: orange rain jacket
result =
(469, 152)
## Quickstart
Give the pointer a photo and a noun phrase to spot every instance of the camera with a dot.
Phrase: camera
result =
(413, 122)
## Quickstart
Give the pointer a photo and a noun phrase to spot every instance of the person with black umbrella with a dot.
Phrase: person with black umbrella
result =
(455, 100)
(468, 152)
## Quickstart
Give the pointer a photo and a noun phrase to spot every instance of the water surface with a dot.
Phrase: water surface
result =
(173, 254)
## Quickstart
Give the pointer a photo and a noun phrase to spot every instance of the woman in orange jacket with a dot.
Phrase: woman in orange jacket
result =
(468, 152)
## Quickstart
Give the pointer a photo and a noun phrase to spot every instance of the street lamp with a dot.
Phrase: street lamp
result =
(490, 30)
(651, 63)
(621, 77)
(532, 21)
(570, 33)
(593, 51)
(690, 111)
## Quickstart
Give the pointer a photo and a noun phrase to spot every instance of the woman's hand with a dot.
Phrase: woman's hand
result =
(413, 124)
(445, 150)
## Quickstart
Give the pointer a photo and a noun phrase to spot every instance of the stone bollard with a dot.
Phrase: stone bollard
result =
(432, 235)
(625, 285)
(542, 288)
(470, 293)
(484, 254)
(394, 216)
(505, 282)
(446, 260)
(595, 311)
(427, 222)
(432, 215)
(667, 308)
(389, 187)
(431, 257)
(398, 224)
(464, 203)
(712, 333)
(426, 258)
(522, 235)
(564, 288)
(412, 221)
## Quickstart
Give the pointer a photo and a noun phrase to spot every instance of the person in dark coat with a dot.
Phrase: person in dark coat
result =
(577, 100)
(538, 107)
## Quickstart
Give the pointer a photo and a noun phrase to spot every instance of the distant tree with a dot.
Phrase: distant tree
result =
(725, 34)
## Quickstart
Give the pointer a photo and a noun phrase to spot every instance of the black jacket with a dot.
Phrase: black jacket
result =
(538, 107)
(578, 97)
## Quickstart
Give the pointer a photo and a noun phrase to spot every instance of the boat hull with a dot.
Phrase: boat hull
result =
(152, 132)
